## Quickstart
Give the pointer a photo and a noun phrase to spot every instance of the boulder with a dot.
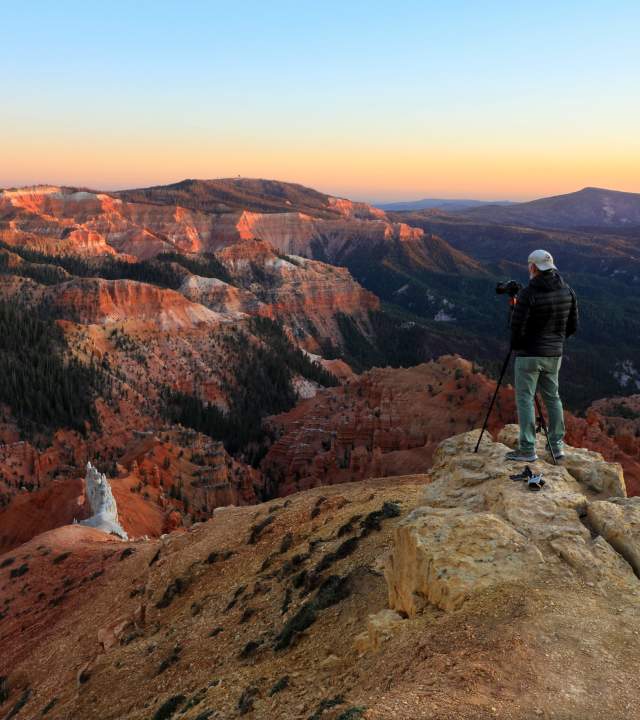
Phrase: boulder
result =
(618, 521)
(478, 529)
(443, 556)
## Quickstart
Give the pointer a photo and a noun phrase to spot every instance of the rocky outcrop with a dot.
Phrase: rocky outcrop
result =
(477, 529)
(586, 466)
(222, 297)
(102, 503)
(384, 422)
(94, 300)
(618, 522)
(390, 421)
(305, 295)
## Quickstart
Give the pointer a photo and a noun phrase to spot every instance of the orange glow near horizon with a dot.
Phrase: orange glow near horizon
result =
(373, 172)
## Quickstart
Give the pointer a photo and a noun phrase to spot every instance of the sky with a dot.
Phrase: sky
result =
(370, 100)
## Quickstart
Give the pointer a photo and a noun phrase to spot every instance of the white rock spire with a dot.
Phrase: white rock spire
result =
(102, 502)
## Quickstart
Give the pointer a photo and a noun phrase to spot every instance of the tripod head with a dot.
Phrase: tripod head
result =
(510, 288)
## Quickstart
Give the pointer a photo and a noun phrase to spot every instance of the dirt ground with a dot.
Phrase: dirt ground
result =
(195, 620)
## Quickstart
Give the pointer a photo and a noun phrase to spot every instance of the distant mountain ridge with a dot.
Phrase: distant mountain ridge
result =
(228, 195)
(590, 207)
(444, 204)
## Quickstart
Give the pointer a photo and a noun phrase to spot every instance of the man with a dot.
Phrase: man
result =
(546, 312)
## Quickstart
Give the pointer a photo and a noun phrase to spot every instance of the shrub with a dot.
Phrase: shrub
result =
(22, 701)
(249, 649)
(170, 660)
(169, 707)
(287, 542)
(353, 713)
(257, 529)
(49, 706)
(326, 705)
(20, 571)
(373, 520)
(343, 551)
(175, 588)
(279, 685)
(245, 702)
(332, 591)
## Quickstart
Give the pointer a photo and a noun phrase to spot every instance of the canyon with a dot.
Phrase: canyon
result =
(386, 422)
(164, 290)
(237, 467)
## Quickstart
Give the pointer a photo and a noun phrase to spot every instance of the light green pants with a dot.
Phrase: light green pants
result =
(540, 373)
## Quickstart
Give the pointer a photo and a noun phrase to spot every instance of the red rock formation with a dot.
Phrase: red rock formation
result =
(385, 422)
(159, 480)
(222, 297)
(64, 221)
(388, 422)
(612, 427)
(299, 292)
(95, 300)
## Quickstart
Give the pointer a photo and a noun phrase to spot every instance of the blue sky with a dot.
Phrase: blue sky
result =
(372, 100)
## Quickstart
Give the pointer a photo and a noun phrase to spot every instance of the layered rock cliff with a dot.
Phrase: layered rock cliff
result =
(478, 528)
(59, 220)
(97, 301)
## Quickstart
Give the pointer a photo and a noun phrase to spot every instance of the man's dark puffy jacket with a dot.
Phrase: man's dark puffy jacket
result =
(545, 314)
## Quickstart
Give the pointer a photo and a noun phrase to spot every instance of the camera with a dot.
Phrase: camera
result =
(510, 288)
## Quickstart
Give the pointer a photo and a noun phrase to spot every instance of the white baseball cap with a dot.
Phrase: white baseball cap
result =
(542, 260)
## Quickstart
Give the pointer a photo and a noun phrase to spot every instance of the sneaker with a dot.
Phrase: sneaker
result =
(517, 456)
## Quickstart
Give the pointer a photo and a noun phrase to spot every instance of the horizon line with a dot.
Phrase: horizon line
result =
(445, 196)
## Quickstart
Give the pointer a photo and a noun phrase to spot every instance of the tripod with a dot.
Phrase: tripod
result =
(540, 419)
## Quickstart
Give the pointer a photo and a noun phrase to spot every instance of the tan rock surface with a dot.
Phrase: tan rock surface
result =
(586, 466)
(478, 528)
(618, 521)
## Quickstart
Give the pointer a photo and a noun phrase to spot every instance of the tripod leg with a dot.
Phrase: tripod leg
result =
(493, 399)
(543, 425)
